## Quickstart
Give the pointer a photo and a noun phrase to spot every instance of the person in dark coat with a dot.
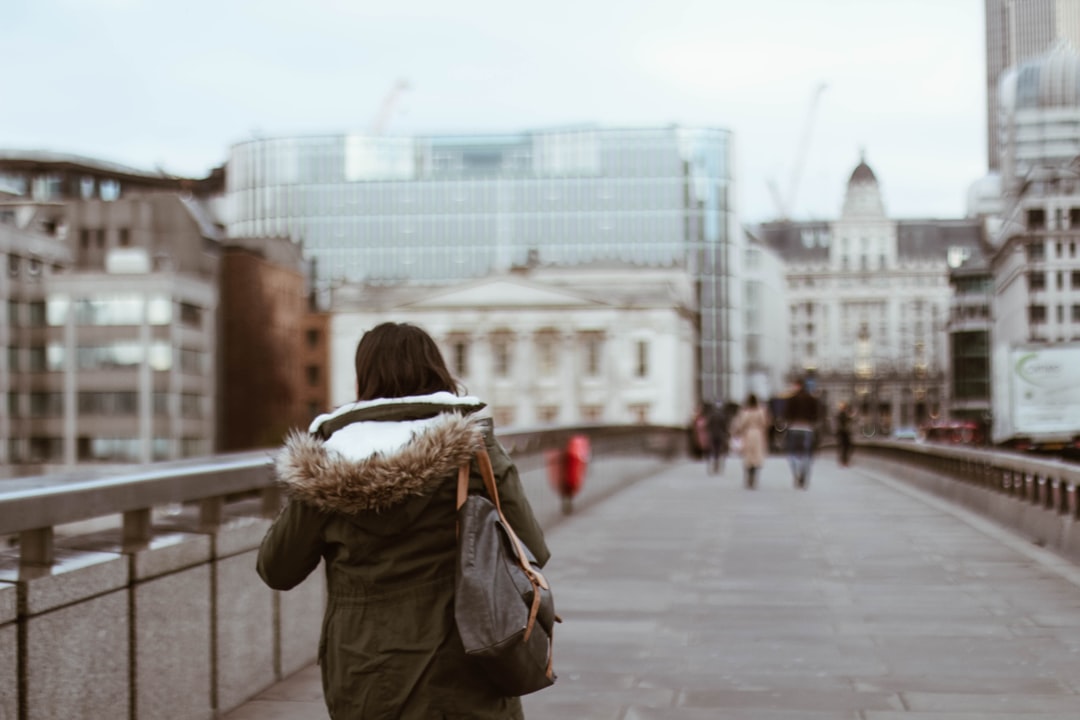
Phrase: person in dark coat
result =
(843, 434)
(801, 412)
(372, 491)
(716, 423)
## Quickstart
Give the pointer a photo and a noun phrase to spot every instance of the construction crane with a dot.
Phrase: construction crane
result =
(786, 203)
(378, 125)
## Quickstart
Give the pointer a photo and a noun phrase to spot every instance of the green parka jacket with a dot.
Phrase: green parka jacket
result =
(372, 493)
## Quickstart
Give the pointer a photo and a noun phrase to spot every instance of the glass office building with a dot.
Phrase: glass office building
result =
(443, 208)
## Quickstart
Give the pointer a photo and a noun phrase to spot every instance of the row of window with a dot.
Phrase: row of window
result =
(796, 282)
(95, 237)
(1039, 280)
(112, 404)
(547, 356)
(118, 309)
(505, 416)
(101, 449)
(1038, 314)
(611, 153)
(1036, 219)
(588, 195)
(120, 355)
(1036, 249)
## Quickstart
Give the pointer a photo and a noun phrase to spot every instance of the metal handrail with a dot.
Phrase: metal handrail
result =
(32, 507)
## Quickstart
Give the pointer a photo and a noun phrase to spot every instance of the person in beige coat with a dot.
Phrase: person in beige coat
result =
(751, 426)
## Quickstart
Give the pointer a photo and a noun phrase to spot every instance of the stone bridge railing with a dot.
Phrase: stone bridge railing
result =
(135, 596)
(1036, 496)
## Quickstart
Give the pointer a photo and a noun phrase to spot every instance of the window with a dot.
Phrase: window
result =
(313, 375)
(84, 239)
(108, 449)
(1076, 313)
(312, 336)
(1036, 281)
(1036, 314)
(190, 405)
(46, 449)
(641, 366)
(192, 361)
(459, 351)
(124, 237)
(592, 346)
(547, 361)
(159, 310)
(640, 412)
(592, 413)
(99, 237)
(109, 190)
(548, 414)
(503, 416)
(500, 349)
(1036, 251)
(37, 313)
(1036, 219)
(46, 404)
(191, 315)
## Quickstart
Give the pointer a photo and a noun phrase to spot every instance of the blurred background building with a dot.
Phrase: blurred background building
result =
(445, 208)
(114, 343)
(598, 344)
(1017, 31)
(869, 299)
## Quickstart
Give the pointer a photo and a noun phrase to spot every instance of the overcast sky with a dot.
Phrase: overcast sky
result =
(150, 83)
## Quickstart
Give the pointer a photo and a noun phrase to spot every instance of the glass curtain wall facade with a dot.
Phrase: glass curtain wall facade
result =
(440, 209)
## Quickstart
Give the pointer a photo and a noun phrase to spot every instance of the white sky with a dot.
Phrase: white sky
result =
(153, 83)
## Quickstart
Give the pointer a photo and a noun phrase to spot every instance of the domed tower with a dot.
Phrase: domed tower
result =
(1040, 114)
(864, 239)
(863, 196)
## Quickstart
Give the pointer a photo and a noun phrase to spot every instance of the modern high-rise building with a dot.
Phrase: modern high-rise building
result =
(445, 208)
(1019, 30)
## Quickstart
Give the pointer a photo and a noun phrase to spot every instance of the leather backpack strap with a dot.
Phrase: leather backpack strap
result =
(462, 484)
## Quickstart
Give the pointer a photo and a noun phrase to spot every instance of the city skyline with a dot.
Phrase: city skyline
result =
(146, 85)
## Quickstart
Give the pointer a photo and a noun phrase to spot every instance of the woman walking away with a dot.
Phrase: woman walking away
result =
(751, 425)
(372, 492)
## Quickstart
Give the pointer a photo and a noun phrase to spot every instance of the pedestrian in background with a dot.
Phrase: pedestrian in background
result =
(802, 411)
(700, 430)
(719, 438)
(843, 433)
(372, 493)
(751, 426)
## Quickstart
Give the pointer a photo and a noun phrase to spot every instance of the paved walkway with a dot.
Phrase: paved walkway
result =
(689, 598)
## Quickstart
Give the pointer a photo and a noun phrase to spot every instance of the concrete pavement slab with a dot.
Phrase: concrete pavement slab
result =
(688, 597)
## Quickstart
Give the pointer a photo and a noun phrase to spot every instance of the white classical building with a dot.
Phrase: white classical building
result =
(580, 345)
(868, 302)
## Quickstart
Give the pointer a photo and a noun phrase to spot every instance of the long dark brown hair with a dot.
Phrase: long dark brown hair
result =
(399, 360)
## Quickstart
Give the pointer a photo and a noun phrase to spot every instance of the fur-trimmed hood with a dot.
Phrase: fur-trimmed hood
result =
(373, 455)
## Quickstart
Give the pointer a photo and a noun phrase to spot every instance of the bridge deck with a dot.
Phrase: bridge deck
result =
(686, 597)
